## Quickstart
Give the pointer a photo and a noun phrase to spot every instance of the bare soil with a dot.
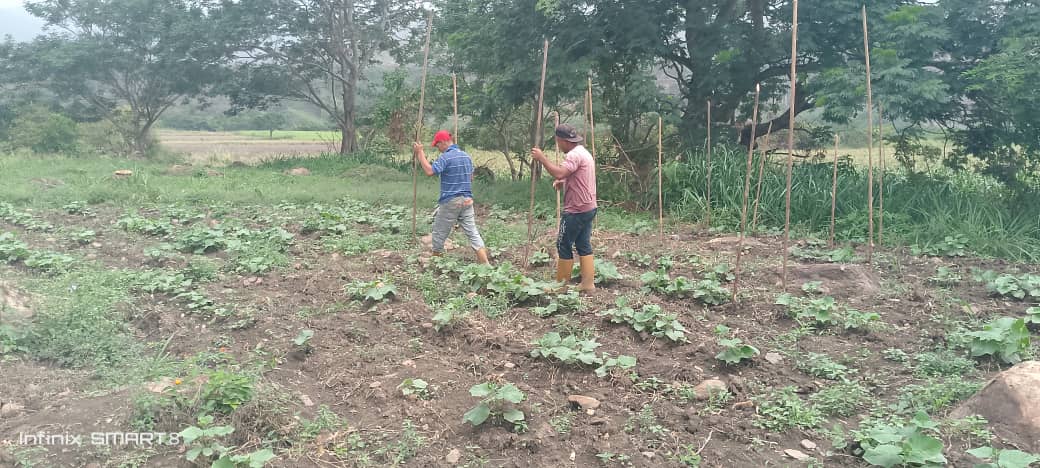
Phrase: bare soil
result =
(361, 353)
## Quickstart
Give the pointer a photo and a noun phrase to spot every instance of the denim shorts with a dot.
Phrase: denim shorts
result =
(575, 233)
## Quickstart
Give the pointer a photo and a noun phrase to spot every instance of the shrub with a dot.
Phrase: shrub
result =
(44, 132)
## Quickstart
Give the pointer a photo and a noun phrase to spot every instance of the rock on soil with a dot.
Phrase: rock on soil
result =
(584, 402)
(808, 444)
(707, 388)
(796, 454)
(10, 410)
(298, 171)
(1011, 403)
(453, 456)
(841, 279)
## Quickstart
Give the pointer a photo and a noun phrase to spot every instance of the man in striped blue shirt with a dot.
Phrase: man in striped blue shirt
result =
(455, 205)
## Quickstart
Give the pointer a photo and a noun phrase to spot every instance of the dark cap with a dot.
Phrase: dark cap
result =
(568, 133)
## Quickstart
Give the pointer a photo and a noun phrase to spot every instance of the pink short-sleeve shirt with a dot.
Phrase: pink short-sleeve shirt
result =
(580, 181)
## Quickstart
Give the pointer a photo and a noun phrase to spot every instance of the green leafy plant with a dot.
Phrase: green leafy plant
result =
(1005, 338)
(733, 349)
(841, 399)
(133, 222)
(12, 249)
(539, 258)
(497, 400)
(417, 387)
(200, 239)
(303, 340)
(650, 319)
(951, 246)
(910, 444)
(610, 364)
(820, 311)
(935, 394)
(821, 365)
(224, 391)
(1003, 458)
(372, 291)
(568, 350)
(450, 313)
(782, 409)
(567, 302)
(204, 440)
(48, 262)
(1007, 285)
(83, 236)
(1032, 315)
(853, 319)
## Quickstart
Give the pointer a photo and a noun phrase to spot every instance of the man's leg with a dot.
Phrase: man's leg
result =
(564, 247)
(583, 243)
(443, 222)
(468, 223)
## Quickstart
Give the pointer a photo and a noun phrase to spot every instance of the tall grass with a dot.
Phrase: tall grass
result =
(920, 209)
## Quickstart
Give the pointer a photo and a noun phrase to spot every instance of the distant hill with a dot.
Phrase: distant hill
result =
(18, 23)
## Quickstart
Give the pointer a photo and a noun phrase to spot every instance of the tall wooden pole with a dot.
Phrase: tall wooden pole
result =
(556, 151)
(870, 144)
(419, 125)
(660, 178)
(881, 174)
(761, 171)
(534, 164)
(747, 193)
(592, 122)
(455, 105)
(834, 190)
(790, 140)
(707, 210)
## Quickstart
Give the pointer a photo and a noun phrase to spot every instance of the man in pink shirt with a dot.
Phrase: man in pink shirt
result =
(577, 174)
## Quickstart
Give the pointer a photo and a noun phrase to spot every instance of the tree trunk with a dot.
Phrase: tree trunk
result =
(348, 127)
(781, 121)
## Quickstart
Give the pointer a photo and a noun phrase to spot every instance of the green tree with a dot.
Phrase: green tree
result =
(313, 51)
(103, 54)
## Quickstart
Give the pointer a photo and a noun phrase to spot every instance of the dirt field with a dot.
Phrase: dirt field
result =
(223, 148)
(336, 400)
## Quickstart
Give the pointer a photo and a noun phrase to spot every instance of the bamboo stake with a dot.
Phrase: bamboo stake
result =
(747, 190)
(592, 135)
(881, 174)
(455, 105)
(761, 171)
(660, 178)
(534, 164)
(559, 213)
(870, 144)
(418, 127)
(707, 211)
(790, 140)
(592, 122)
(834, 190)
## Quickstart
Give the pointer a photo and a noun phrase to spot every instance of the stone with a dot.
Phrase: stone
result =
(453, 456)
(408, 363)
(796, 454)
(375, 385)
(123, 173)
(649, 455)
(1011, 403)
(808, 444)
(298, 171)
(584, 402)
(707, 388)
(306, 400)
(774, 358)
(851, 279)
(599, 421)
(10, 410)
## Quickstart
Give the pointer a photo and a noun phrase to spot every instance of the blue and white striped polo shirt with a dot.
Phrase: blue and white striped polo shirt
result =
(455, 168)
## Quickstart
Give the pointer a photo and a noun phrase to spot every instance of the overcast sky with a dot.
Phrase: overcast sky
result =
(14, 20)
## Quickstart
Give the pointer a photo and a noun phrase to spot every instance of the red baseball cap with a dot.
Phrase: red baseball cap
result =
(440, 136)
